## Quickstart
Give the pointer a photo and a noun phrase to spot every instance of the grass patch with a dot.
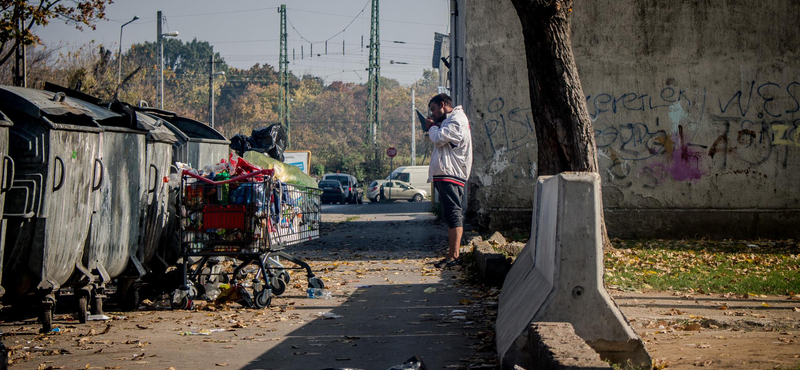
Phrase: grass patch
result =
(740, 267)
(352, 218)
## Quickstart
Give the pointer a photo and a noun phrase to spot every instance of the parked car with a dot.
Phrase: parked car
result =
(332, 191)
(374, 190)
(399, 190)
(417, 176)
(350, 186)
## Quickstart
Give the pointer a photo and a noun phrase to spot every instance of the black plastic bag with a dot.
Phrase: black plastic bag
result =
(241, 144)
(270, 140)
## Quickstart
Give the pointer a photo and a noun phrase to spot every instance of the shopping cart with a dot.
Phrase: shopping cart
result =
(250, 218)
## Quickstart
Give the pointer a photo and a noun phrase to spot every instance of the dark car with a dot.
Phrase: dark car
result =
(350, 186)
(332, 191)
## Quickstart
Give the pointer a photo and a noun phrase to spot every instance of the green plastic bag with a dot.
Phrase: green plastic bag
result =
(283, 172)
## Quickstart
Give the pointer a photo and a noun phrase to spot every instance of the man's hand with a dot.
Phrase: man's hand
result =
(431, 122)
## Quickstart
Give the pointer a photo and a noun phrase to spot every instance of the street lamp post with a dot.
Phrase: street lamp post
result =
(211, 91)
(119, 59)
(161, 88)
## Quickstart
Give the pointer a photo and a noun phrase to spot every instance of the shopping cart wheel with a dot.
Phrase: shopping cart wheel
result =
(314, 282)
(278, 285)
(284, 275)
(186, 302)
(263, 299)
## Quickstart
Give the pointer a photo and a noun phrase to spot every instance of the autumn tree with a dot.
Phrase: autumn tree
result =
(564, 132)
(18, 17)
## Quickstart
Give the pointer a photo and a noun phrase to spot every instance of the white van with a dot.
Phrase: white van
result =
(417, 176)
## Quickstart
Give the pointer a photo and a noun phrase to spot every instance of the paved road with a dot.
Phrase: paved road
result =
(374, 258)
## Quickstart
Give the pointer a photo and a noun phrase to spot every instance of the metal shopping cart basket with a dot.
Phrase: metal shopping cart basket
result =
(250, 218)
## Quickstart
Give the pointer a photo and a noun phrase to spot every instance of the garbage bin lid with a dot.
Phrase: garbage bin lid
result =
(191, 128)
(56, 107)
(155, 128)
(4, 121)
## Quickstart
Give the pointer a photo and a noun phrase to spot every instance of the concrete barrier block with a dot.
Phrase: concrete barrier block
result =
(564, 282)
(554, 345)
(492, 265)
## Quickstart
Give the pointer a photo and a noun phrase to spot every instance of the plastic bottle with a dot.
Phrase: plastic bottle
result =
(318, 293)
(222, 194)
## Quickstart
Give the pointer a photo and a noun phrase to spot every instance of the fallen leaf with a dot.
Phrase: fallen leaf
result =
(764, 304)
(796, 309)
(141, 327)
(106, 330)
(221, 364)
(429, 290)
(692, 327)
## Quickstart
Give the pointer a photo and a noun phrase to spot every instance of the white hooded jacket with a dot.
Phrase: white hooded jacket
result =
(451, 160)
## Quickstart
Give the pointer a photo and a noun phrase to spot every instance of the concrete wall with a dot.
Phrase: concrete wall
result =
(695, 104)
(498, 106)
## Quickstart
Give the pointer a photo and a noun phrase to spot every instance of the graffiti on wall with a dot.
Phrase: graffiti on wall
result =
(510, 135)
(672, 134)
(686, 135)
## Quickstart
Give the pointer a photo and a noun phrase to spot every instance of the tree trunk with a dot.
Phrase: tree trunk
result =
(564, 132)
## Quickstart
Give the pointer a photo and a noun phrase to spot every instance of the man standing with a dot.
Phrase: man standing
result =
(451, 164)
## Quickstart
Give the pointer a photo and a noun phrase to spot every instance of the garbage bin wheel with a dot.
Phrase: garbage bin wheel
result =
(47, 320)
(263, 299)
(285, 276)
(278, 285)
(46, 315)
(83, 303)
(314, 282)
(97, 305)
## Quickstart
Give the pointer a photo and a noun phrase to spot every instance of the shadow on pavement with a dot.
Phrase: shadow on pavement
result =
(376, 328)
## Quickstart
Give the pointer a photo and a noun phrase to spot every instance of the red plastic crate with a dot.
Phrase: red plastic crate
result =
(219, 216)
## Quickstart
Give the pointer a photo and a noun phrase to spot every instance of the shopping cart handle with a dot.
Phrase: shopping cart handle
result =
(267, 172)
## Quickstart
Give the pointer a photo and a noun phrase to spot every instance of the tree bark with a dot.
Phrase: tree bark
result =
(564, 132)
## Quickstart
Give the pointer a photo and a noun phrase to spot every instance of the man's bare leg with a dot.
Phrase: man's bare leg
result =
(454, 245)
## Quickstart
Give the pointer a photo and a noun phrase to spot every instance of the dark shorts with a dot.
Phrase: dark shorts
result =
(451, 196)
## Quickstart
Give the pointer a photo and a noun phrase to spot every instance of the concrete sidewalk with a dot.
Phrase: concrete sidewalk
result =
(383, 312)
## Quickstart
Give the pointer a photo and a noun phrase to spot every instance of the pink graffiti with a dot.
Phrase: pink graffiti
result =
(685, 164)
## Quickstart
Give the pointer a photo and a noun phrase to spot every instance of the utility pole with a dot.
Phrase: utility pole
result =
(413, 131)
(160, 87)
(211, 91)
(283, 72)
(20, 69)
(374, 117)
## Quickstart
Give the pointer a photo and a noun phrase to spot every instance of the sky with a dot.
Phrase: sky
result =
(246, 32)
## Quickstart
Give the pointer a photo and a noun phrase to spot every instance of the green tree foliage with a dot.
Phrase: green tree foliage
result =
(18, 18)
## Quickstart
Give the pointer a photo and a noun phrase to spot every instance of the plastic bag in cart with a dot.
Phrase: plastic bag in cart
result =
(414, 363)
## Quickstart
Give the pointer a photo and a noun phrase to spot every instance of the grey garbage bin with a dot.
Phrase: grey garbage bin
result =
(116, 227)
(158, 160)
(55, 146)
(131, 203)
(6, 180)
(198, 144)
